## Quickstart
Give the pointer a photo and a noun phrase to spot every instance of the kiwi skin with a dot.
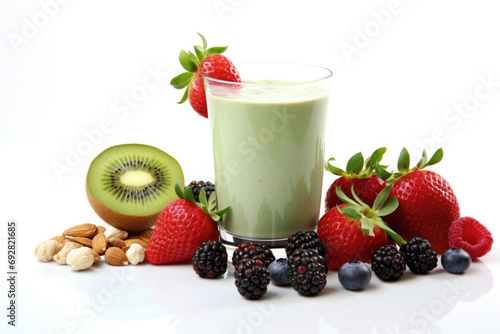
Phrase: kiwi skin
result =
(119, 220)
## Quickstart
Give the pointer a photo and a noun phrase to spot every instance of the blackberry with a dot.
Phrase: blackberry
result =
(252, 278)
(304, 240)
(210, 259)
(388, 263)
(419, 256)
(307, 271)
(254, 250)
(196, 187)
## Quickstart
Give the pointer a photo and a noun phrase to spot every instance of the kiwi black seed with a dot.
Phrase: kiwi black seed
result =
(128, 185)
(135, 193)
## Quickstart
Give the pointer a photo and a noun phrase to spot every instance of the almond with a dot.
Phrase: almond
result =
(146, 235)
(130, 242)
(135, 254)
(59, 238)
(114, 256)
(97, 257)
(99, 243)
(117, 242)
(80, 258)
(45, 250)
(112, 232)
(61, 257)
(84, 241)
(82, 230)
(66, 240)
(100, 229)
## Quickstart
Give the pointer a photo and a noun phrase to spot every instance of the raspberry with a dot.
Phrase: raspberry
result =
(471, 236)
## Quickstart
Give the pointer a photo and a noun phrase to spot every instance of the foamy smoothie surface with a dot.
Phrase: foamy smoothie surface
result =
(254, 91)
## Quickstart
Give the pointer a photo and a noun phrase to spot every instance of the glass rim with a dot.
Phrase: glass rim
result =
(328, 75)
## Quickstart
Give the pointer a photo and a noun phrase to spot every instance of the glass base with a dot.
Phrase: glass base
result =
(234, 240)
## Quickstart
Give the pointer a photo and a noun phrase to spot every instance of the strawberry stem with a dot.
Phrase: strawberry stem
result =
(404, 165)
(207, 206)
(371, 217)
(357, 167)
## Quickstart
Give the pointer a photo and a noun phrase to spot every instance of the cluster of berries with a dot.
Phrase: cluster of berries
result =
(250, 262)
(368, 208)
(389, 264)
(304, 268)
(255, 265)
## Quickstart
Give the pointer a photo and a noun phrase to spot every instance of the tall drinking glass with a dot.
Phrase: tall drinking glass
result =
(268, 135)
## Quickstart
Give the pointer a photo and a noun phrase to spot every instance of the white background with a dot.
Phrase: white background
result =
(406, 73)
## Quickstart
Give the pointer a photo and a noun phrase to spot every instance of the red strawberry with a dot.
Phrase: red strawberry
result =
(354, 231)
(427, 203)
(472, 236)
(206, 61)
(359, 175)
(182, 227)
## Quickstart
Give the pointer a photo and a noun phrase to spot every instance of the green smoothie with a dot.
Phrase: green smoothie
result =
(268, 144)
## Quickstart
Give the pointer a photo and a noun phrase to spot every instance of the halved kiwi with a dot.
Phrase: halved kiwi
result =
(129, 185)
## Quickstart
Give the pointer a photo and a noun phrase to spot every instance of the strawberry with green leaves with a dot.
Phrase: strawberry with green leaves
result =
(359, 174)
(427, 204)
(182, 227)
(354, 230)
(208, 61)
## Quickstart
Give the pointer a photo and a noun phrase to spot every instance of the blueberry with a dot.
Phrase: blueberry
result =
(277, 271)
(456, 260)
(354, 275)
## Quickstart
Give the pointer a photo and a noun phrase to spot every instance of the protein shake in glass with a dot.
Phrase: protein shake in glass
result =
(268, 144)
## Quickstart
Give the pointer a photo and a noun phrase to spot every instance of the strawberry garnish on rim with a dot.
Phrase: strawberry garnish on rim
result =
(204, 61)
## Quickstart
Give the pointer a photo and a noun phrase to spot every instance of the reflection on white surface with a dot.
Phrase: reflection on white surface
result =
(412, 305)
(181, 302)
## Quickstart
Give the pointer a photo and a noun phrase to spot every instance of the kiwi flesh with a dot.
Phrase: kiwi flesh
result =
(129, 185)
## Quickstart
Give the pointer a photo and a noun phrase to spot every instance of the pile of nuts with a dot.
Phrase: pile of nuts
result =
(83, 245)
